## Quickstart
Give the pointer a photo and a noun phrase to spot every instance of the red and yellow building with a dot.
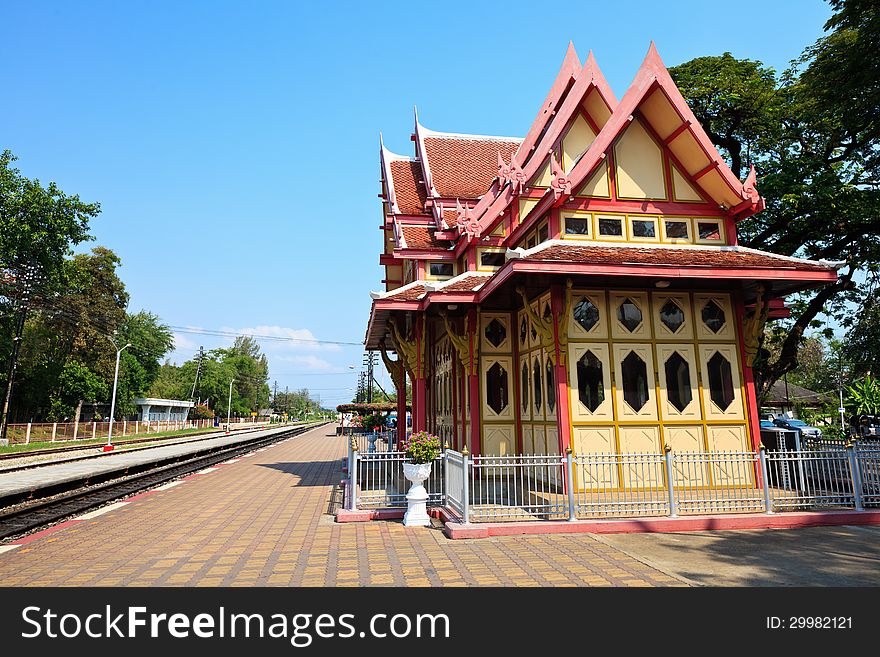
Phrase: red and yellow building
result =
(581, 286)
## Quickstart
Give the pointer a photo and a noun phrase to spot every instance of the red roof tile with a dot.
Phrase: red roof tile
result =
(605, 255)
(422, 237)
(464, 168)
(409, 294)
(408, 191)
(467, 283)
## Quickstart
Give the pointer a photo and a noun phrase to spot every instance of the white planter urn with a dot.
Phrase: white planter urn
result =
(416, 499)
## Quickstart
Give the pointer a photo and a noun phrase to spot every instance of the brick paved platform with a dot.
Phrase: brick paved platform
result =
(266, 520)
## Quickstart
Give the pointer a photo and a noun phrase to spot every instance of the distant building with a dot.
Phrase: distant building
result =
(167, 410)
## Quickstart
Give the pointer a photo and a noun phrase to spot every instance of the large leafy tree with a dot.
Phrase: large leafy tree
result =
(813, 134)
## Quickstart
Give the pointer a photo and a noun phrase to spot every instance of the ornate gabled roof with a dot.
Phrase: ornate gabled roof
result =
(464, 166)
(654, 93)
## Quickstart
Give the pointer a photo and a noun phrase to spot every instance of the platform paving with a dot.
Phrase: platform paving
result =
(266, 520)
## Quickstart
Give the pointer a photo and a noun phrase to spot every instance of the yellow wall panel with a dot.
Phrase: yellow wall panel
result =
(543, 177)
(597, 184)
(525, 206)
(682, 190)
(640, 440)
(687, 440)
(576, 142)
(625, 411)
(498, 440)
(604, 411)
(639, 165)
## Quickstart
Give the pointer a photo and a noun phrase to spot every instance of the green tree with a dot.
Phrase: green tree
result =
(77, 384)
(813, 134)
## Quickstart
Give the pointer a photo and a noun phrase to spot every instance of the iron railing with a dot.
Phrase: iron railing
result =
(557, 487)
(376, 480)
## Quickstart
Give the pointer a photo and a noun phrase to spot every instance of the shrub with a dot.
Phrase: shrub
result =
(421, 447)
(371, 422)
(200, 412)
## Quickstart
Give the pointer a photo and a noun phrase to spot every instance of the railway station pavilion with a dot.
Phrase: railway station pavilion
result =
(581, 286)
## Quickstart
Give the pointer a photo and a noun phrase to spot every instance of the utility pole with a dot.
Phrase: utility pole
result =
(229, 407)
(28, 276)
(198, 369)
(113, 398)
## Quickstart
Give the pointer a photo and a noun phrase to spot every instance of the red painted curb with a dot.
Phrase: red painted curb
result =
(365, 515)
(455, 530)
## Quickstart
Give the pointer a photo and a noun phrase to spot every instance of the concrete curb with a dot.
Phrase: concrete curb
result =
(455, 530)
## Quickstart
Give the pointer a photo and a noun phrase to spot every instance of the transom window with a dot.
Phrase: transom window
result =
(676, 230)
(577, 225)
(586, 314)
(542, 233)
(610, 226)
(629, 315)
(492, 258)
(645, 228)
(440, 269)
(495, 333)
(523, 330)
(713, 316)
(671, 315)
(709, 231)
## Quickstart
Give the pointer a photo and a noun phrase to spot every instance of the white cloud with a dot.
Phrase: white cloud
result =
(286, 339)
(183, 343)
(308, 362)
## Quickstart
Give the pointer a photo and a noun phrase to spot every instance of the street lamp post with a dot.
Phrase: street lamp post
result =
(229, 407)
(113, 398)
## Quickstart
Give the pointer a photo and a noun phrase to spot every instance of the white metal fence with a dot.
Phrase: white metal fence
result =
(34, 432)
(557, 487)
(376, 480)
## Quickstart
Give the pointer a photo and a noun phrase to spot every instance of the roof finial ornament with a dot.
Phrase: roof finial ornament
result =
(466, 220)
(511, 173)
(560, 183)
(749, 188)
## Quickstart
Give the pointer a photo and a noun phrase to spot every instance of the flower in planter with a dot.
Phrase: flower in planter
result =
(421, 447)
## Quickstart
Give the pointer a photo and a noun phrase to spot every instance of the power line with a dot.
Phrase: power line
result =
(257, 336)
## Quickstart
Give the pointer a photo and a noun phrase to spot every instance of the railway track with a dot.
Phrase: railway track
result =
(24, 515)
(123, 446)
(213, 431)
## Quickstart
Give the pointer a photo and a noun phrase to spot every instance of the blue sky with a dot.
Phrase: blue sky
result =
(233, 146)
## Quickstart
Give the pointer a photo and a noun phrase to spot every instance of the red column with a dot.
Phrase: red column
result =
(517, 385)
(563, 413)
(401, 401)
(751, 400)
(474, 382)
(420, 415)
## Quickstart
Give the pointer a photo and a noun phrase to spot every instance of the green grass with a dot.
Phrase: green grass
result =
(37, 447)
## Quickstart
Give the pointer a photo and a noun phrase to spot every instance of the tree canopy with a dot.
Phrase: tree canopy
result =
(813, 134)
